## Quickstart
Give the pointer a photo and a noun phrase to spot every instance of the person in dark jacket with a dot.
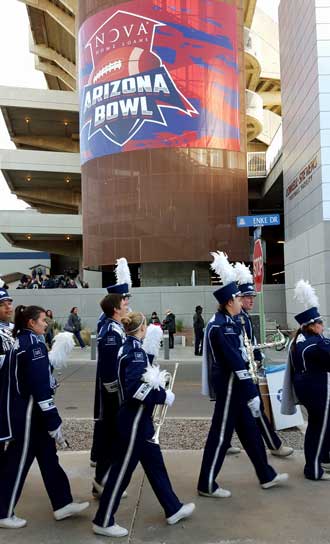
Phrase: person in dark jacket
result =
(227, 381)
(199, 325)
(309, 369)
(110, 339)
(74, 325)
(32, 425)
(138, 395)
(6, 334)
(271, 438)
(170, 326)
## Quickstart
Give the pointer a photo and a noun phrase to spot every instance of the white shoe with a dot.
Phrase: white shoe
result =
(325, 476)
(279, 479)
(115, 530)
(185, 512)
(283, 451)
(326, 466)
(232, 450)
(219, 493)
(70, 509)
(12, 523)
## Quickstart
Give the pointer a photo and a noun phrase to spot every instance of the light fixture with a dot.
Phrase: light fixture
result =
(67, 237)
(66, 123)
(278, 273)
(281, 241)
(29, 236)
(27, 120)
(28, 178)
(67, 179)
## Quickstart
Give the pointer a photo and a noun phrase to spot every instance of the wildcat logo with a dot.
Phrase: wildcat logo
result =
(128, 85)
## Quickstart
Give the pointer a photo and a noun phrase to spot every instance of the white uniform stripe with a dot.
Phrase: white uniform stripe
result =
(23, 456)
(124, 465)
(222, 431)
(264, 424)
(324, 425)
(303, 353)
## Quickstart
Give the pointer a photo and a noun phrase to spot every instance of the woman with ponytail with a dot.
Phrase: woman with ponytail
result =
(307, 382)
(139, 392)
(33, 426)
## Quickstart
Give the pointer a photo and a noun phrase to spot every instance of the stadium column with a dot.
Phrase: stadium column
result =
(163, 138)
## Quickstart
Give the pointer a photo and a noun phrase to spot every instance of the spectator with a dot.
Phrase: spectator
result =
(74, 325)
(34, 284)
(169, 325)
(199, 325)
(49, 334)
(154, 320)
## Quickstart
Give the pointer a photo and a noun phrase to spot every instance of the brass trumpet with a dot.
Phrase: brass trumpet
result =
(253, 364)
(160, 410)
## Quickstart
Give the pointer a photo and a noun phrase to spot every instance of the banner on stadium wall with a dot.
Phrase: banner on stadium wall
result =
(156, 74)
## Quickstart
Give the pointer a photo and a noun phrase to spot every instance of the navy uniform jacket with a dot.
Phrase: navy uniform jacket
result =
(311, 355)
(100, 322)
(245, 320)
(110, 339)
(133, 391)
(28, 385)
(6, 343)
(225, 355)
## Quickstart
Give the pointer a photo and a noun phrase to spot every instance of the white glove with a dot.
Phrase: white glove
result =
(170, 398)
(254, 405)
(58, 437)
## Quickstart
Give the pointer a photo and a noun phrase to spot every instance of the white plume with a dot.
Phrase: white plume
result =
(122, 272)
(305, 294)
(151, 342)
(155, 377)
(2, 283)
(243, 273)
(222, 267)
(63, 344)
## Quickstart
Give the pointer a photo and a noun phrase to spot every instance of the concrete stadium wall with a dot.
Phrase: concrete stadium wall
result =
(181, 300)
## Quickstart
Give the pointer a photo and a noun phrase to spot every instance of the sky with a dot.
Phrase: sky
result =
(17, 69)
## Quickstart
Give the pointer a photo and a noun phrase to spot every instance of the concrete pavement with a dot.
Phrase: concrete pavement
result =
(295, 513)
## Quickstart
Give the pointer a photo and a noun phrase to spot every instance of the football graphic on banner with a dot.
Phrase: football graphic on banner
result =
(154, 76)
(126, 62)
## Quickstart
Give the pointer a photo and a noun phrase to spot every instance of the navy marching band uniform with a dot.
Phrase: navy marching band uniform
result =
(110, 339)
(135, 429)
(309, 365)
(268, 433)
(101, 440)
(32, 415)
(231, 386)
(6, 343)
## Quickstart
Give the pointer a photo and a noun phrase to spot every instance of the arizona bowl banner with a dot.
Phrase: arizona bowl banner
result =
(157, 73)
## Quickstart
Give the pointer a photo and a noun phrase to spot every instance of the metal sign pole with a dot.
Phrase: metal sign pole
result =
(262, 319)
(262, 316)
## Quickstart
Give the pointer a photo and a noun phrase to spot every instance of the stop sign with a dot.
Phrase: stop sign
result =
(258, 266)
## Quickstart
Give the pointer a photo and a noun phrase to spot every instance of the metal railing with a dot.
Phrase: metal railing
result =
(256, 164)
(260, 163)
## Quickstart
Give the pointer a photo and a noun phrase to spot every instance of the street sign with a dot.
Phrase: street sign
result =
(268, 220)
(258, 266)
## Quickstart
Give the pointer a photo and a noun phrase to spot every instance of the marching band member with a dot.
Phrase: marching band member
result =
(139, 394)
(32, 422)
(6, 334)
(227, 380)
(245, 284)
(110, 338)
(307, 382)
